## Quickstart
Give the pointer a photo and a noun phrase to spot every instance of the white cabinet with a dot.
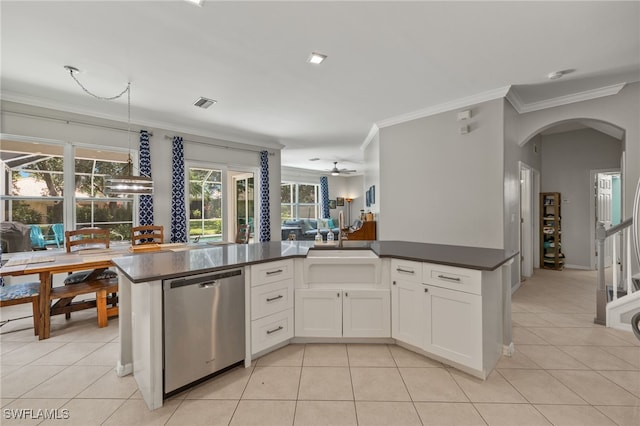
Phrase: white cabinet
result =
(271, 304)
(408, 304)
(338, 313)
(452, 313)
(454, 325)
(366, 313)
(409, 316)
(318, 313)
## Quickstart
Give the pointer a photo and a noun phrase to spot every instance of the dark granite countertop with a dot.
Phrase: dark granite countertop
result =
(203, 258)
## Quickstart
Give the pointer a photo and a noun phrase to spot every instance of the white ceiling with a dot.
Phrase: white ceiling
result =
(385, 60)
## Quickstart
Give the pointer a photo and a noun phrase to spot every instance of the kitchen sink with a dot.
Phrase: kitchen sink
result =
(342, 254)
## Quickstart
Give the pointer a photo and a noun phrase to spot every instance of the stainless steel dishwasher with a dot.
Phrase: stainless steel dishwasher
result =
(203, 327)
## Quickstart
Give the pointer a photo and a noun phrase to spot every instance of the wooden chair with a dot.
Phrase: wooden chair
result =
(102, 282)
(244, 232)
(149, 234)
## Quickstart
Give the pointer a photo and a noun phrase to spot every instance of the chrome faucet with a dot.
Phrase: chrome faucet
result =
(341, 227)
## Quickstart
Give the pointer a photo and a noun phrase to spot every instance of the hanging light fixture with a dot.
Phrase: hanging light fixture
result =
(125, 183)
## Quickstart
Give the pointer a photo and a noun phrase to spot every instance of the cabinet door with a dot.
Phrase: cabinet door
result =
(318, 313)
(409, 312)
(366, 313)
(454, 330)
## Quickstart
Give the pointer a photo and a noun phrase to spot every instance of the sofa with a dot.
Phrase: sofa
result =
(306, 229)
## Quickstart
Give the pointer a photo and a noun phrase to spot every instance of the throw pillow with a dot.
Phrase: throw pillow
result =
(306, 226)
(322, 223)
(330, 223)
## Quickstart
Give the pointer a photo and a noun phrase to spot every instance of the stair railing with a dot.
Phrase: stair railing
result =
(621, 230)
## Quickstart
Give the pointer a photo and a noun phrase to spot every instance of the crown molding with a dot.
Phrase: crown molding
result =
(372, 134)
(587, 95)
(162, 126)
(447, 106)
(515, 100)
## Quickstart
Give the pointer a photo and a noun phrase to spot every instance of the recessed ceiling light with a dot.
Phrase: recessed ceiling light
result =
(204, 102)
(316, 58)
(196, 2)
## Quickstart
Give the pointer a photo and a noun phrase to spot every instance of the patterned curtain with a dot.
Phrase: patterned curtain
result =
(265, 212)
(145, 216)
(1, 279)
(178, 210)
(324, 196)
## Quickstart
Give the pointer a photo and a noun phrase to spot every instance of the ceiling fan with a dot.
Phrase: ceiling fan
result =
(337, 172)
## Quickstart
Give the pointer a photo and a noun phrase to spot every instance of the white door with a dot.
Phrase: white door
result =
(526, 221)
(318, 313)
(603, 211)
(366, 313)
(409, 317)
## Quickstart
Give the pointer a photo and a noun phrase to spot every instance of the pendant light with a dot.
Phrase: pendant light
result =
(127, 182)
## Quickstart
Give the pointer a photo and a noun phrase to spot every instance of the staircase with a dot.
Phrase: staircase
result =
(618, 302)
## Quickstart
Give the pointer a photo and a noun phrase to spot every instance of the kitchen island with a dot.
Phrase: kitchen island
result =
(479, 275)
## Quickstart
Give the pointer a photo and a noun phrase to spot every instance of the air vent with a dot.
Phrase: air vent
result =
(204, 102)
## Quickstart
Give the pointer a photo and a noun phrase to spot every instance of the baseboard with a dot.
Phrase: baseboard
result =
(124, 370)
(516, 287)
(584, 268)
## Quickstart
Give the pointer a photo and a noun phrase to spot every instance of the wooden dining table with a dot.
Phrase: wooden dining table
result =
(47, 263)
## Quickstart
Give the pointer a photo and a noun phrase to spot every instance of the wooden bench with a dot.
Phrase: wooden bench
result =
(105, 291)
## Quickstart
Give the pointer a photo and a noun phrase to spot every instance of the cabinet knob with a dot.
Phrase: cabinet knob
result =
(338, 294)
(426, 290)
(394, 283)
(346, 295)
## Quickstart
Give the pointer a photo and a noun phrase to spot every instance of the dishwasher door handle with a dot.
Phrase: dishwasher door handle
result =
(210, 284)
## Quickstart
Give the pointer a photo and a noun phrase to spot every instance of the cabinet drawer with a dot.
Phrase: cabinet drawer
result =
(271, 298)
(271, 330)
(406, 270)
(460, 279)
(270, 272)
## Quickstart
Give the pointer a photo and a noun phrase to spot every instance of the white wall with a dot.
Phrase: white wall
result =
(439, 186)
(513, 155)
(567, 159)
(372, 178)
(25, 120)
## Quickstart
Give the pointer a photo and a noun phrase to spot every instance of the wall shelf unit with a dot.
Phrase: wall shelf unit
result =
(551, 256)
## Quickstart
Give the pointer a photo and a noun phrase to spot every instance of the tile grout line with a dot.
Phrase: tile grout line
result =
(413, 402)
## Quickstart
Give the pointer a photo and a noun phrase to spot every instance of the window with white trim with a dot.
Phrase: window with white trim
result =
(33, 198)
(299, 200)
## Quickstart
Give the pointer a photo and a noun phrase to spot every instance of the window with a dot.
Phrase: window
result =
(95, 208)
(34, 199)
(205, 203)
(299, 200)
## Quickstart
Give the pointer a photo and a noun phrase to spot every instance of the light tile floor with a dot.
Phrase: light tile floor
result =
(566, 371)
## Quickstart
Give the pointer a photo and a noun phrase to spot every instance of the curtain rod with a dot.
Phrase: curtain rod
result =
(82, 123)
(257, 151)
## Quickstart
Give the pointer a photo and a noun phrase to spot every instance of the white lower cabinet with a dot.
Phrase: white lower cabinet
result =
(271, 304)
(342, 313)
(409, 317)
(450, 320)
(366, 313)
(454, 325)
(271, 330)
(318, 313)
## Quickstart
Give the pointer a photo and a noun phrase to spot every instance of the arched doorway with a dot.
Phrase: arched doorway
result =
(569, 151)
